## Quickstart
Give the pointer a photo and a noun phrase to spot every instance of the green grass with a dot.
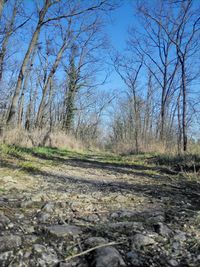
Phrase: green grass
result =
(10, 150)
(29, 156)
(17, 157)
(49, 152)
(136, 159)
(29, 167)
(2, 189)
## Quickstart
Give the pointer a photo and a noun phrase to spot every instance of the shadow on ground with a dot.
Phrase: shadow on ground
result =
(176, 193)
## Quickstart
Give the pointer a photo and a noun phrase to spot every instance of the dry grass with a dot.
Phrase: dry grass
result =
(127, 148)
(35, 138)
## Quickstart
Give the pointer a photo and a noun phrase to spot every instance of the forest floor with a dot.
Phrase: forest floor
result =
(56, 204)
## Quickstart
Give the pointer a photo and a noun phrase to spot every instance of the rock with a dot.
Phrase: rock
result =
(4, 220)
(74, 263)
(19, 216)
(43, 217)
(78, 262)
(121, 198)
(62, 205)
(39, 248)
(30, 239)
(176, 245)
(140, 240)
(65, 230)
(180, 236)
(115, 215)
(124, 226)
(107, 256)
(162, 229)
(5, 258)
(48, 207)
(27, 204)
(76, 206)
(173, 263)
(92, 218)
(10, 225)
(156, 219)
(128, 214)
(8, 242)
(124, 214)
(134, 258)
(29, 229)
(94, 241)
(45, 256)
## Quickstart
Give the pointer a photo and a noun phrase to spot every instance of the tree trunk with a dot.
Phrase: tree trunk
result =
(5, 41)
(47, 84)
(163, 102)
(179, 139)
(21, 99)
(69, 114)
(13, 108)
(184, 93)
(2, 2)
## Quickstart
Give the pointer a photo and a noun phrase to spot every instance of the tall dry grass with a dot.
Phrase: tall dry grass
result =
(153, 146)
(35, 138)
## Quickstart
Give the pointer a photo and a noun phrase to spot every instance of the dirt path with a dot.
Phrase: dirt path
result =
(69, 205)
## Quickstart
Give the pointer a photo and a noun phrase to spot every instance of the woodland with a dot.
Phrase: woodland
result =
(100, 133)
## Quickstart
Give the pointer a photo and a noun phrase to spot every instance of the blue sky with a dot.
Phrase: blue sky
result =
(120, 20)
(117, 31)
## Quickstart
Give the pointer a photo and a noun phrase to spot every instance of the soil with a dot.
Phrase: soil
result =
(71, 205)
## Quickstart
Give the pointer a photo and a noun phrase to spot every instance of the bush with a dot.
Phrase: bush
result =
(186, 162)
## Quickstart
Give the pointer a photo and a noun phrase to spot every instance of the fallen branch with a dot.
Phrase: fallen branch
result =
(91, 249)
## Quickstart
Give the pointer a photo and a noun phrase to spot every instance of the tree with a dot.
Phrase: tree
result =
(82, 68)
(2, 2)
(156, 47)
(184, 37)
(43, 19)
(129, 72)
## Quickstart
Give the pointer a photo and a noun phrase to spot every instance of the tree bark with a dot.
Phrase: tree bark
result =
(184, 120)
(5, 41)
(2, 2)
(13, 108)
(47, 84)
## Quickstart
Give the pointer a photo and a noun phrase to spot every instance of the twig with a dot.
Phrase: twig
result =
(91, 249)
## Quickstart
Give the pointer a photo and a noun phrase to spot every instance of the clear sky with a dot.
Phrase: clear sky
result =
(117, 31)
(120, 20)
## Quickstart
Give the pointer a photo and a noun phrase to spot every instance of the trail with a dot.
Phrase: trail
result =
(69, 205)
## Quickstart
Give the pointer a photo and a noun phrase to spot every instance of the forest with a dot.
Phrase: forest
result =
(100, 133)
(57, 65)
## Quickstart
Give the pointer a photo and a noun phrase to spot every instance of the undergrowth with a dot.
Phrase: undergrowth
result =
(186, 162)
(180, 163)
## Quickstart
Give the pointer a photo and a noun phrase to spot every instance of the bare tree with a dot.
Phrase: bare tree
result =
(82, 69)
(2, 2)
(129, 72)
(157, 49)
(43, 20)
(184, 36)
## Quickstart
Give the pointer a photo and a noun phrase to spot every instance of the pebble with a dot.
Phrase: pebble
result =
(65, 230)
(140, 240)
(162, 229)
(108, 256)
(9, 241)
